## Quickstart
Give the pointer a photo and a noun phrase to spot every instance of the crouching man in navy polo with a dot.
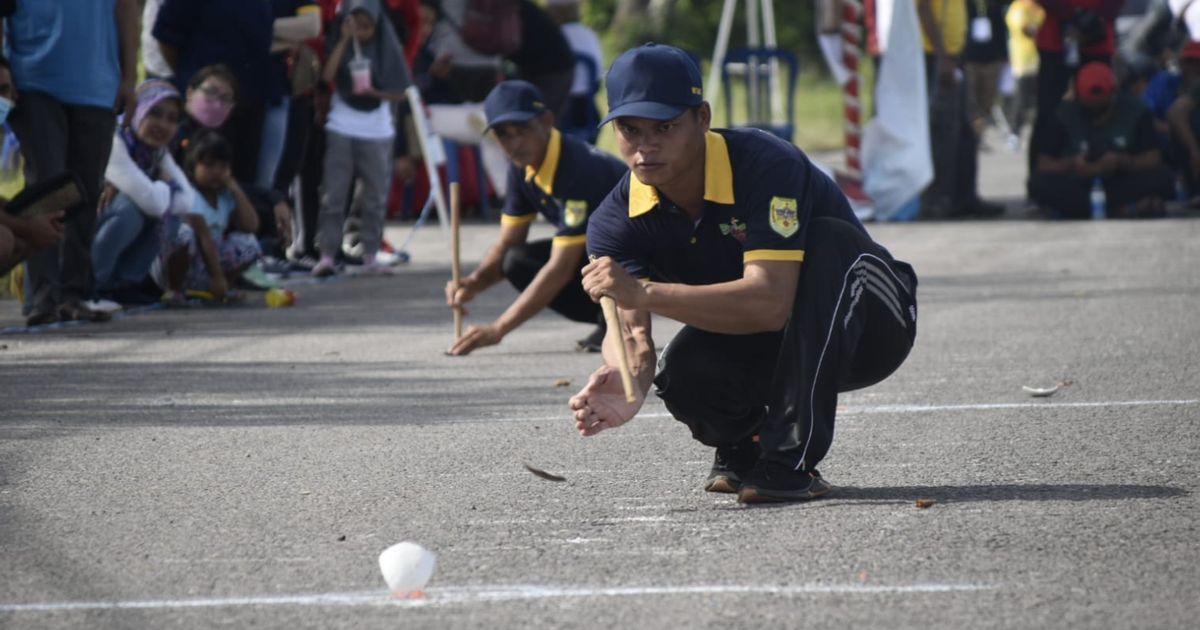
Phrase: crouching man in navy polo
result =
(564, 180)
(785, 298)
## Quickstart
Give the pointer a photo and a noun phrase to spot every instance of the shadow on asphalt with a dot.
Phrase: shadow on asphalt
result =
(1008, 492)
(843, 495)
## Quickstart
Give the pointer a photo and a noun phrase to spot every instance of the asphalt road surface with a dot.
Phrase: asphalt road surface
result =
(243, 467)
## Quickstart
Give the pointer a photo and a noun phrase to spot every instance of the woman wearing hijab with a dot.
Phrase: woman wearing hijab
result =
(149, 187)
(367, 69)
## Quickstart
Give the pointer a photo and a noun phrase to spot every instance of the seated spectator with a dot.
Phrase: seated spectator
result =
(1165, 86)
(1180, 115)
(144, 185)
(1102, 134)
(210, 98)
(216, 242)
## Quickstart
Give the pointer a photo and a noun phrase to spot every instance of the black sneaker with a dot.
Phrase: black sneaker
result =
(770, 482)
(593, 342)
(730, 465)
(42, 317)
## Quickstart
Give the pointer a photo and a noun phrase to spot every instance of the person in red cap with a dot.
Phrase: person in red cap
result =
(1102, 134)
(1074, 32)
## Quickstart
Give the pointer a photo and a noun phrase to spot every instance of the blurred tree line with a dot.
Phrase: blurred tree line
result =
(692, 25)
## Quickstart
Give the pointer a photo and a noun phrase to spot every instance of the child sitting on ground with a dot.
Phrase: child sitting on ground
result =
(216, 242)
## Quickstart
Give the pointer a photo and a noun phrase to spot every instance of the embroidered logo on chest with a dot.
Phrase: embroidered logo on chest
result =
(734, 228)
(574, 212)
(784, 217)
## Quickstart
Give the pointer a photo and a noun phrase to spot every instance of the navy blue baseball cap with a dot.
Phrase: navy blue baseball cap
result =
(653, 81)
(513, 101)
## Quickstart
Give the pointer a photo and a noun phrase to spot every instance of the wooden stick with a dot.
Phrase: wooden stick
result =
(613, 323)
(455, 267)
(609, 306)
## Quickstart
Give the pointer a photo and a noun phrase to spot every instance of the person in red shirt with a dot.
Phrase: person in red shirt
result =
(1074, 33)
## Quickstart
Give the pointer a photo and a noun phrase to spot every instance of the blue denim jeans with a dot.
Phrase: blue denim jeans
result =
(274, 134)
(126, 244)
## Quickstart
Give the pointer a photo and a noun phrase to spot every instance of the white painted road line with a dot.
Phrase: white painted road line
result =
(449, 596)
(850, 410)
(1028, 405)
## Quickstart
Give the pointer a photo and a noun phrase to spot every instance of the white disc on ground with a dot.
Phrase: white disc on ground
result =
(407, 567)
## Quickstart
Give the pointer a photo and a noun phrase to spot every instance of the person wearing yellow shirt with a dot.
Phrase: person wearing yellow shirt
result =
(1024, 18)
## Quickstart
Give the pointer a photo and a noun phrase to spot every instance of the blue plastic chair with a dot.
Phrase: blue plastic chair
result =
(580, 115)
(761, 58)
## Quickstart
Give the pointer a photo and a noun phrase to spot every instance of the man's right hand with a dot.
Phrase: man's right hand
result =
(456, 297)
(44, 230)
(601, 403)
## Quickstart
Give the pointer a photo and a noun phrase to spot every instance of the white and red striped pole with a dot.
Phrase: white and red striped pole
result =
(850, 180)
(852, 31)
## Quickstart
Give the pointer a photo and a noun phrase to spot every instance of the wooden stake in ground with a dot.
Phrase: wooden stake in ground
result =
(455, 267)
(613, 322)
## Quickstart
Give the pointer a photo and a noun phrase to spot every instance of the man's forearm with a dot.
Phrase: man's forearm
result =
(491, 268)
(634, 332)
(546, 285)
(731, 308)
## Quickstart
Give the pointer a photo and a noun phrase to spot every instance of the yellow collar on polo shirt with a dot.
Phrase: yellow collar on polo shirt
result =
(544, 176)
(718, 179)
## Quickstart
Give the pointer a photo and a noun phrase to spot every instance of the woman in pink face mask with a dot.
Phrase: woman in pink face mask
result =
(211, 97)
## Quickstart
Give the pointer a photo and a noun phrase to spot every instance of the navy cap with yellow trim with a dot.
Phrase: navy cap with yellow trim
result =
(653, 81)
(513, 101)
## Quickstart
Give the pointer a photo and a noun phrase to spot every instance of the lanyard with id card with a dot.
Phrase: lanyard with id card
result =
(981, 26)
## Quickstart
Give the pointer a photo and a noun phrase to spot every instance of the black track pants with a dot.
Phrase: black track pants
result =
(522, 264)
(853, 323)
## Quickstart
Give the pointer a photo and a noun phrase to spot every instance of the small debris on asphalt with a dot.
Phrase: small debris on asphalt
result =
(543, 474)
(1045, 392)
(562, 382)
(924, 503)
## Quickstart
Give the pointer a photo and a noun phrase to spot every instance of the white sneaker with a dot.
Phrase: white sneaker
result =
(103, 306)
(376, 268)
(324, 268)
